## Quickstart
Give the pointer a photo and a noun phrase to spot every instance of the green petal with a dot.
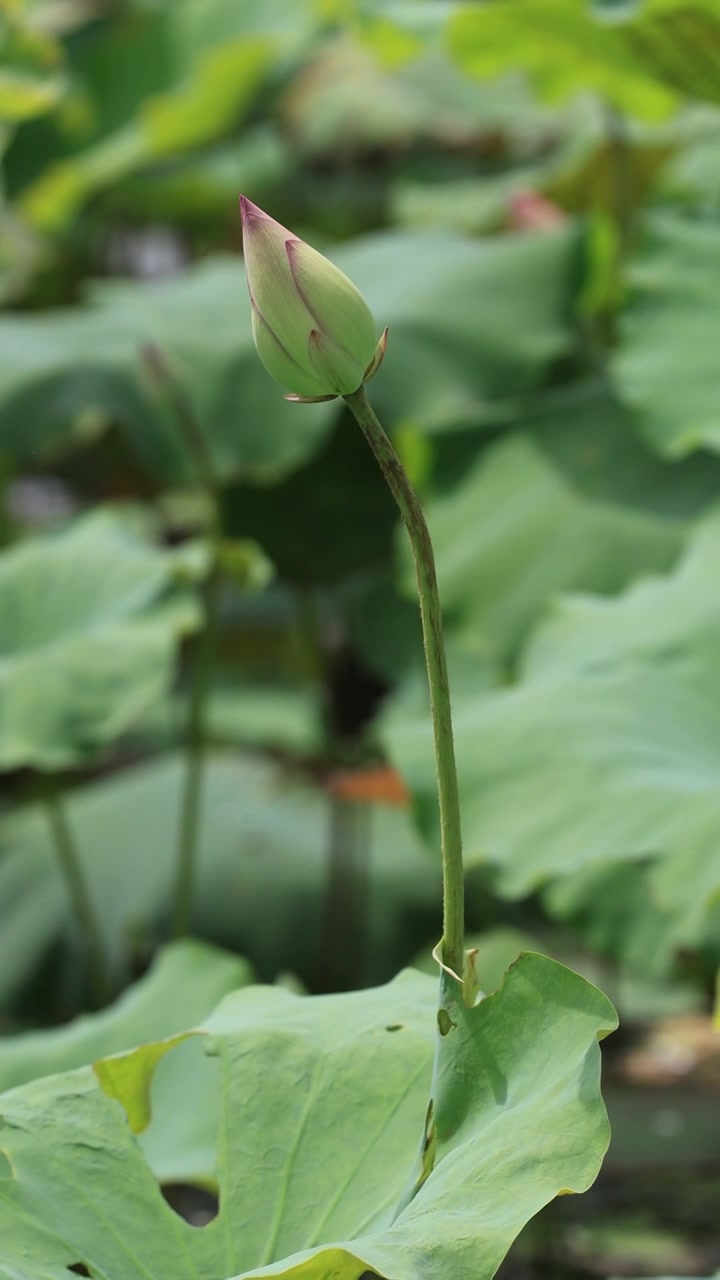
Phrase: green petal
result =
(272, 288)
(339, 372)
(339, 310)
(278, 361)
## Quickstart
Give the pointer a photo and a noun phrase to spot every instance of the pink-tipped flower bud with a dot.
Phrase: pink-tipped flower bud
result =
(313, 329)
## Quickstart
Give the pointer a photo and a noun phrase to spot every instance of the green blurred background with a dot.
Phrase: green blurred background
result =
(528, 193)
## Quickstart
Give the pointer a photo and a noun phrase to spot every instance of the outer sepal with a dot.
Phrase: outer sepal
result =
(378, 357)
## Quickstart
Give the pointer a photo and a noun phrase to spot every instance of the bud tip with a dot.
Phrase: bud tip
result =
(249, 211)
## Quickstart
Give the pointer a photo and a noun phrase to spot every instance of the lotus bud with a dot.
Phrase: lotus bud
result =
(313, 329)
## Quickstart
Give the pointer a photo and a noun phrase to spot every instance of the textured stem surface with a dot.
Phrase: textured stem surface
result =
(453, 944)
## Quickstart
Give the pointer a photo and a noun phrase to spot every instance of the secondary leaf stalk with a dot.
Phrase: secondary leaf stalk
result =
(201, 678)
(453, 942)
(78, 892)
(191, 804)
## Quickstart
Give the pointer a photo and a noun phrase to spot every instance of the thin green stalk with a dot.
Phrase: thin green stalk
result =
(78, 892)
(620, 165)
(314, 658)
(343, 926)
(191, 802)
(453, 943)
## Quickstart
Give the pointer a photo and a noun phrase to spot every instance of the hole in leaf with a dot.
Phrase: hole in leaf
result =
(195, 1205)
(79, 1269)
(395, 1026)
(185, 1071)
(162, 1118)
(445, 1022)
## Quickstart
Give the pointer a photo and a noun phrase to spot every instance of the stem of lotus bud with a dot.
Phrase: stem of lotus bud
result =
(452, 949)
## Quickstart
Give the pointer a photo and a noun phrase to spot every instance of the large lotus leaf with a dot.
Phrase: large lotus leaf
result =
(654, 618)
(467, 318)
(668, 625)
(66, 371)
(666, 361)
(604, 752)
(473, 324)
(89, 627)
(183, 985)
(612, 906)
(573, 770)
(593, 441)
(221, 88)
(565, 50)
(264, 844)
(322, 1102)
(165, 83)
(519, 528)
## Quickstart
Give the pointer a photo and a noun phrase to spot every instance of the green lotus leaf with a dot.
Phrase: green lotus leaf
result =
(666, 362)
(71, 371)
(525, 523)
(90, 620)
(566, 51)
(184, 984)
(601, 761)
(322, 1103)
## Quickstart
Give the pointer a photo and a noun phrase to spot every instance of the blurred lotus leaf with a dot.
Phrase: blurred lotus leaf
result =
(605, 752)
(90, 621)
(477, 318)
(565, 49)
(262, 826)
(158, 84)
(24, 95)
(666, 365)
(183, 985)
(531, 518)
(64, 372)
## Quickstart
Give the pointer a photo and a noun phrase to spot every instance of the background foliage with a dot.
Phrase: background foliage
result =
(527, 193)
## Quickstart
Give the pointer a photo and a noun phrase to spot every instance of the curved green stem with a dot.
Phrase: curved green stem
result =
(453, 943)
(78, 892)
